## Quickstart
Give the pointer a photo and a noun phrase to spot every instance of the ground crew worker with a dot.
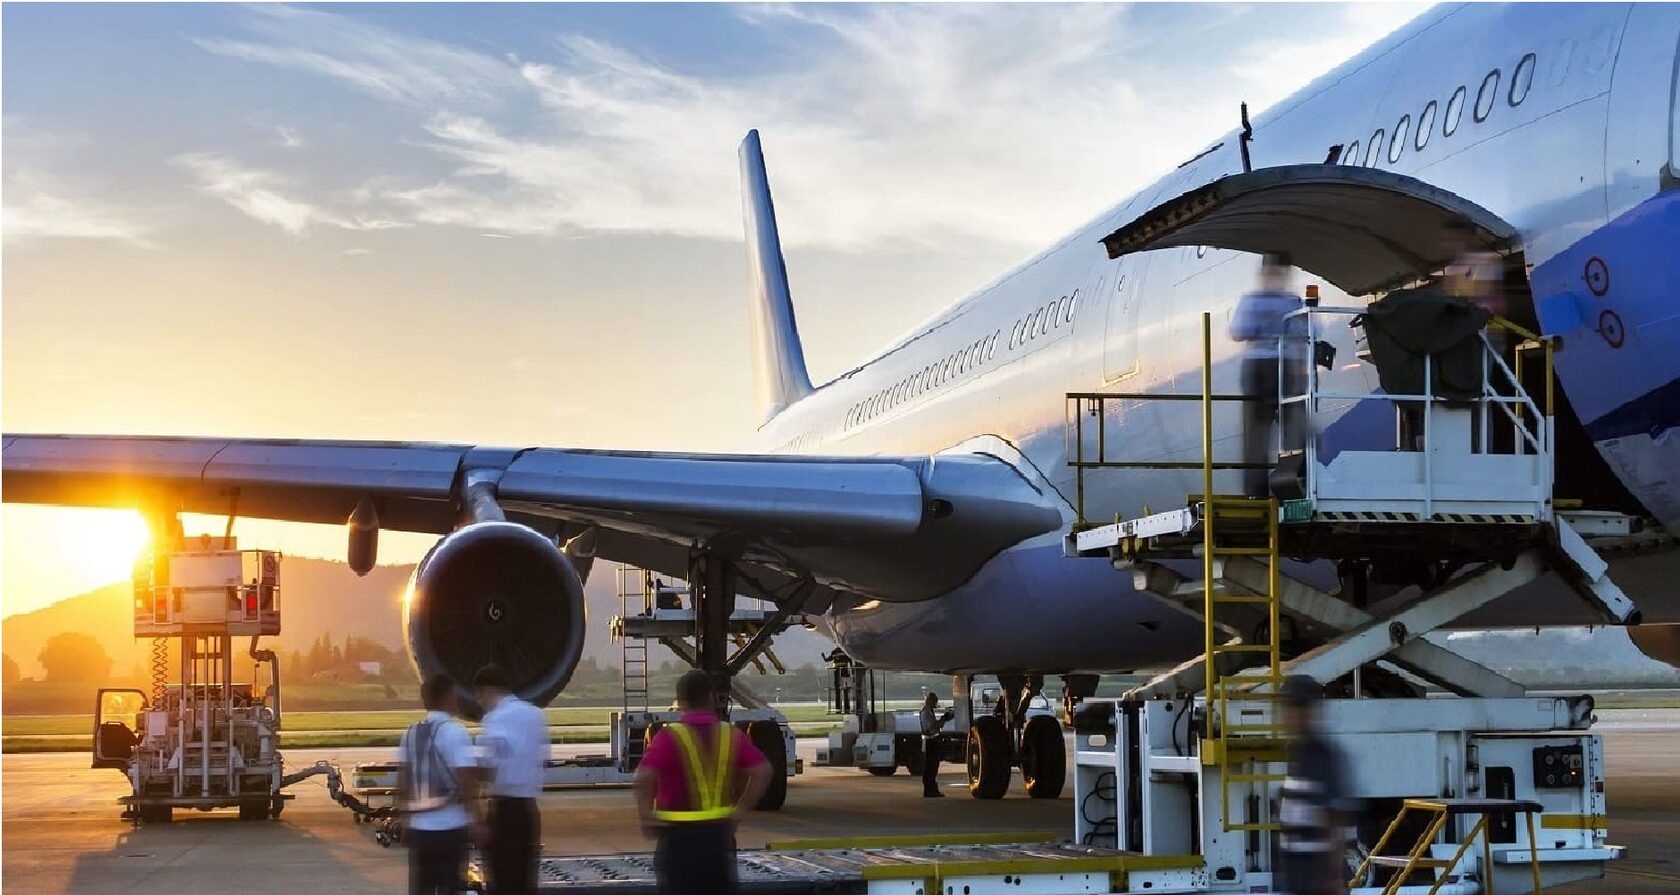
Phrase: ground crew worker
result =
(437, 779)
(514, 744)
(931, 725)
(1261, 323)
(1312, 805)
(693, 778)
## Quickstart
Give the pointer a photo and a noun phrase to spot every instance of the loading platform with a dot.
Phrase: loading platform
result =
(890, 865)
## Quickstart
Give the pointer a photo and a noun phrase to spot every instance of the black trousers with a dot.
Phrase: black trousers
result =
(930, 767)
(696, 859)
(515, 840)
(437, 861)
(1260, 380)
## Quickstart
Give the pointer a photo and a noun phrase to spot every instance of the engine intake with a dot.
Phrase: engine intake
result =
(496, 592)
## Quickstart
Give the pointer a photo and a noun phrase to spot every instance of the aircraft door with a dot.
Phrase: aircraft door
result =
(1120, 340)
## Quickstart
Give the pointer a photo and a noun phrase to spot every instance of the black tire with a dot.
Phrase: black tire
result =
(767, 737)
(988, 758)
(275, 807)
(1043, 757)
(883, 772)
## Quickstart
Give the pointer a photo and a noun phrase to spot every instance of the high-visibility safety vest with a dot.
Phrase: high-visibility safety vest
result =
(709, 790)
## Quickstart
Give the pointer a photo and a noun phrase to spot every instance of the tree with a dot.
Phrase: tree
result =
(73, 656)
(8, 670)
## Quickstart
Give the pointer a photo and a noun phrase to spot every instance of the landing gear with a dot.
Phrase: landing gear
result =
(1017, 733)
(1043, 757)
(989, 758)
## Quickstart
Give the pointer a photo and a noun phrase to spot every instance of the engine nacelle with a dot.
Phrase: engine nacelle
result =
(1660, 642)
(496, 592)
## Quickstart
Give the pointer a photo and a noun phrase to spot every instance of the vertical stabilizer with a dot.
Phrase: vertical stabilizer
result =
(778, 358)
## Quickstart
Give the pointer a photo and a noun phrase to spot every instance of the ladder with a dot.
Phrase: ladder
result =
(1246, 749)
(635, 595)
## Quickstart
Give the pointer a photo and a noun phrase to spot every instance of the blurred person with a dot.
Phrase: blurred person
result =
(1313, 807)
(1261, 323)
(931, 725)
(515, 747)
(437, 779)
(1475, 274)
(695, 776)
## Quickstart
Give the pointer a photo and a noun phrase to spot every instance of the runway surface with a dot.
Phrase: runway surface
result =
(60, 829)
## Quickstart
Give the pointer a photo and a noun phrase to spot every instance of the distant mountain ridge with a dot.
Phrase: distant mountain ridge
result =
(318, 596)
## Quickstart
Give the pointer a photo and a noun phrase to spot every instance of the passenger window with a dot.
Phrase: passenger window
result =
(1071, 301)
(1561, 62)
(1049, 317)
(991, 344)
(1351, 155)
(1015, 335)
(1402, 129)
(1485, 96)
(1373, 152)
(1032, 325)
(1426, 126)
(1521, 80)
(1455, 111)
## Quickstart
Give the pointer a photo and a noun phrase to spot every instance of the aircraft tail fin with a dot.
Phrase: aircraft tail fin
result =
(778, 357)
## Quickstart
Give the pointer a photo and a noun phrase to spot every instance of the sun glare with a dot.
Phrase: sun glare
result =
(114, 540)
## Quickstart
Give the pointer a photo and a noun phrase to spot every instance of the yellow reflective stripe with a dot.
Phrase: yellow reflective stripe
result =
(723, 813)
(720, 787)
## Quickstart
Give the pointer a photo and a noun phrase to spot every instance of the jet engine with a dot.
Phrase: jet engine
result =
(1660, 642)
(496, 592)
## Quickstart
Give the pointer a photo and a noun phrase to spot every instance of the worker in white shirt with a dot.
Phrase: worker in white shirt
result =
(437, 779)
(514, 744)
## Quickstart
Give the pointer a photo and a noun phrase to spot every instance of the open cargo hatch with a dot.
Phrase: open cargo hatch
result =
(1363, 230)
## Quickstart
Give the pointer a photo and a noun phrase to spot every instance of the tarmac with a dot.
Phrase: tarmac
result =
(60, 830)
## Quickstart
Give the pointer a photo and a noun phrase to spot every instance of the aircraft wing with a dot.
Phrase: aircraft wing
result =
(898, 528)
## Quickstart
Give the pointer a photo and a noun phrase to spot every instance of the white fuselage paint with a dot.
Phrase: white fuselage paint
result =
(1581, 148)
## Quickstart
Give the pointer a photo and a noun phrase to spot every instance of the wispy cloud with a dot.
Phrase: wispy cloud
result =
(899, 125)
(374, 60)
(42, 215)
(289, 137)
(258, 194)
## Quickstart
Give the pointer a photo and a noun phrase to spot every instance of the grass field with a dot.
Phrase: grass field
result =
(71, 733)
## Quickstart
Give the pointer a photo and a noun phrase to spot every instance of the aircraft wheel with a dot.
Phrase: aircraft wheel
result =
(275, 807)
(883, 772)
(1043, 757)
(988, 758)
(767, 736)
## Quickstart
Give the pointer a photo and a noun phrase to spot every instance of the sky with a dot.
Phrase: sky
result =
(520, 224)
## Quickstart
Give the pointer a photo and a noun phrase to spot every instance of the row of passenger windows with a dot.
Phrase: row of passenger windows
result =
(1487, 96)
(929, 377)
(1039, 322)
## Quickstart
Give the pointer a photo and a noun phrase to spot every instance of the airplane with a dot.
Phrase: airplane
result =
(915, 506)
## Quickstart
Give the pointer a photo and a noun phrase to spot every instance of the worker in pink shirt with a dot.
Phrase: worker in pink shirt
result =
(695, 776)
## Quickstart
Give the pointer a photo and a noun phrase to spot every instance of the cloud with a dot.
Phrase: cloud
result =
(289, 137)
(373, 60)
(895, 125)
(258, 195)
(42, 215)
(356, 252)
